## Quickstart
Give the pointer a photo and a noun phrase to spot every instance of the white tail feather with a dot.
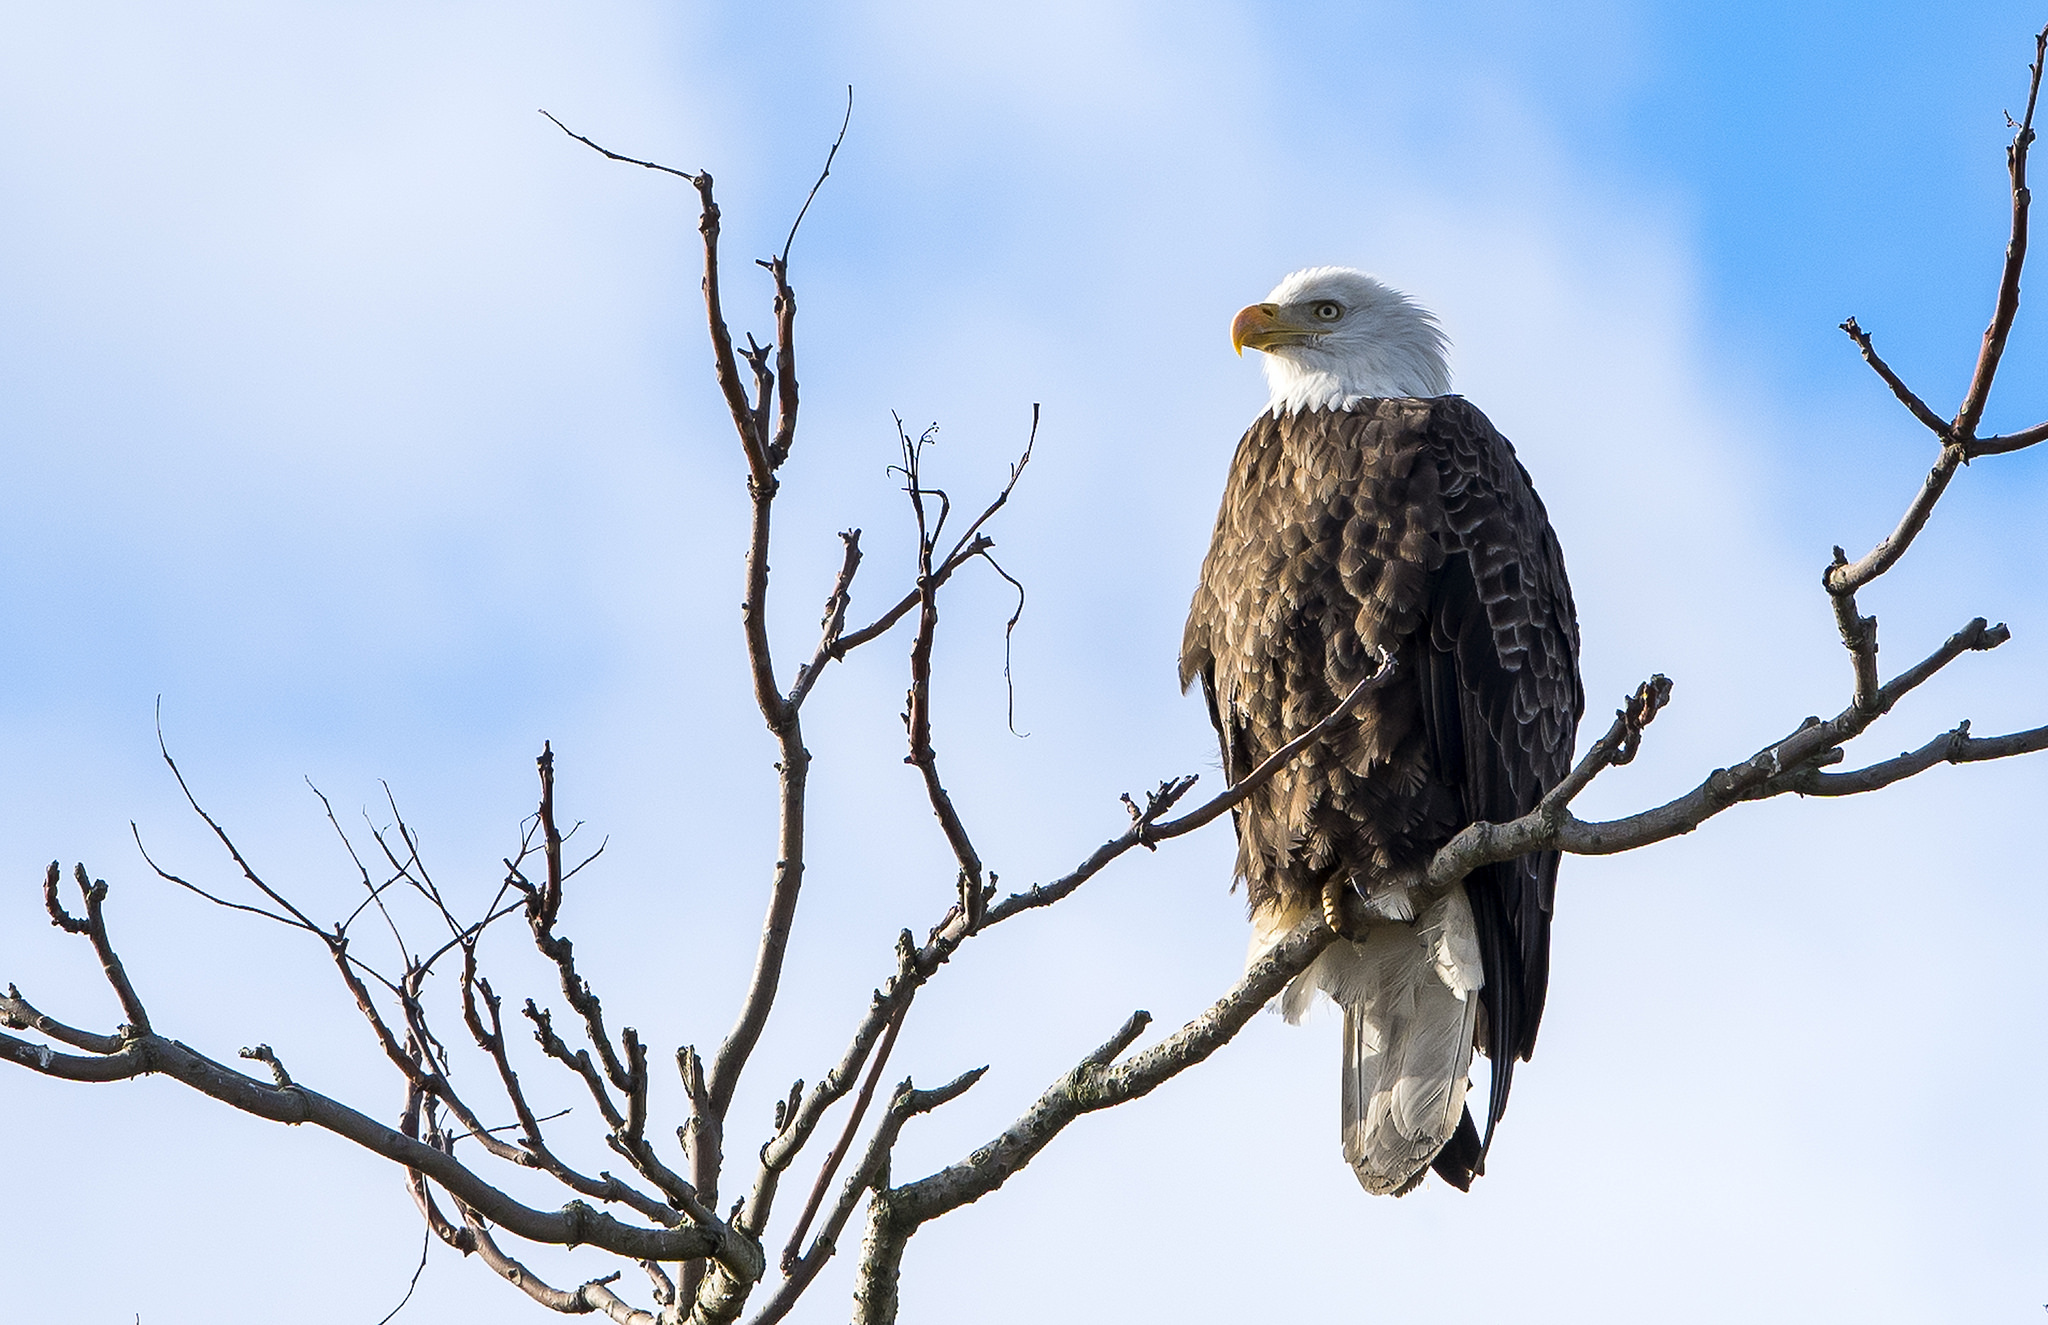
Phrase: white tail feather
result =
(1407, 994)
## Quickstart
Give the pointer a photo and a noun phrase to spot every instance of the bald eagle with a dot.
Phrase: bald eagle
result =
(1370, 516)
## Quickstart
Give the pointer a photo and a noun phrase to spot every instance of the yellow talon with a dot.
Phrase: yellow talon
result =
(1334, 889)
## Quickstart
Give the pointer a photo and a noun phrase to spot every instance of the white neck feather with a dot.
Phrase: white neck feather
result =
(1319, 377)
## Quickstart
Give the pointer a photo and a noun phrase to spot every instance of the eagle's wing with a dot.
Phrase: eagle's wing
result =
(1501, 703)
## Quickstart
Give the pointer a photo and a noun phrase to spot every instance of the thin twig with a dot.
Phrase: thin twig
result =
(823, 175)
(1911, 401)
(793, 1251)
(614, 156)
(426, 1241)
(2008, 304)
(882, 624)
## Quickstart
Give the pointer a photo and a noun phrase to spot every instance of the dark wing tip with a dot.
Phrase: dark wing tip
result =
(1463, 1158)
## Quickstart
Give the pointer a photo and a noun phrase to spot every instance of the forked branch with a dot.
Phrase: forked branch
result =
(1960, 443)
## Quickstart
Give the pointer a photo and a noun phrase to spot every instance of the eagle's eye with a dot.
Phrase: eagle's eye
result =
(1327, 311)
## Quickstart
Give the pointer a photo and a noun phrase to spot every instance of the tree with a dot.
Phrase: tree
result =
(678, 1222)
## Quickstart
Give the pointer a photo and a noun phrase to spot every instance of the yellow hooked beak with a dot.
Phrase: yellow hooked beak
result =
(1261, 328)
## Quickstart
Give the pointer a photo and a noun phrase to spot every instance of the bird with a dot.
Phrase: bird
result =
(1372, 519)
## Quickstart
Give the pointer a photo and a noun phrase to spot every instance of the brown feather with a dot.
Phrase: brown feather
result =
(1401, 528)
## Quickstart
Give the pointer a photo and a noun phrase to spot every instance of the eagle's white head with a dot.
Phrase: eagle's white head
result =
(1333, 336)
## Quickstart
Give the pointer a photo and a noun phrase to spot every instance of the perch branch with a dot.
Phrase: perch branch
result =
(1097, 1082)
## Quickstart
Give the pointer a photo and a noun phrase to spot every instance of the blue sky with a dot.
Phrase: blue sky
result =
(364, 419)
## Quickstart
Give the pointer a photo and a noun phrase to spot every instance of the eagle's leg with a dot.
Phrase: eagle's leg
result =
(1334, 889)
(1397, 896)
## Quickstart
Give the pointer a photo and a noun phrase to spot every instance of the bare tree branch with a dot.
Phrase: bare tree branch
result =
(542, 909)
(491, 1040)
(94, 928)
(1858, 632)
(793, 1251)
(882, 624)
(1274, 762)
(614, 156)
(17, 1014)
(2010, 442)
(1951, 747)
(412, 1286)
(1788, 765)
(823, 175)
(1096, 1083)
(594, 1296)
(293, 916)
(1958, 439)
(833, 624)
(1912, 402)
(907, 1103)
(917, 705)
(1845, 578)
(2008, 305)
(574, 1224)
